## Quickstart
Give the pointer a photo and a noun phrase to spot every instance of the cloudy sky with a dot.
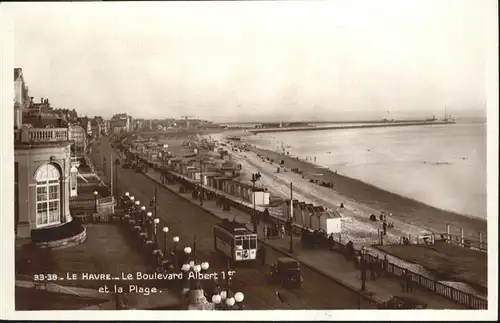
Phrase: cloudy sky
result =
(259, 60)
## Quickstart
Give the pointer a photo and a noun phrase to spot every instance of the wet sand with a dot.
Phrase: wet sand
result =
(402, 208)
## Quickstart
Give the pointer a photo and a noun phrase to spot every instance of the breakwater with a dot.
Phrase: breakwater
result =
(357, 126)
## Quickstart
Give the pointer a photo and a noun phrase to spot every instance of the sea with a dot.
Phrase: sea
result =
(441, 165)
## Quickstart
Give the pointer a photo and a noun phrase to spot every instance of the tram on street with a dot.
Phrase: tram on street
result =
(234, 241)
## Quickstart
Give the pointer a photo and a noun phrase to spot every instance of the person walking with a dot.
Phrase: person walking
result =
(266, 235)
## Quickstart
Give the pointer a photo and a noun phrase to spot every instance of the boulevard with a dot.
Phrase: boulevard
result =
(186, 220)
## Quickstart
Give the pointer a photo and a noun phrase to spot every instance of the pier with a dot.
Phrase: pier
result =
(355, 126)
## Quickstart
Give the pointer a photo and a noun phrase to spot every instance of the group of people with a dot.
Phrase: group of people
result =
(385, 224)
(322, 183)
(274, 230)
(313, 238)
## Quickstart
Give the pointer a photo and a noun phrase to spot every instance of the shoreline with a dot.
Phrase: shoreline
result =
(403, 208)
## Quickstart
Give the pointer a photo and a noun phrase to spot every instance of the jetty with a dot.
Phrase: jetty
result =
(352, 126)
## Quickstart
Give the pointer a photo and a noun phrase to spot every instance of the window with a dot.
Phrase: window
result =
(48, 196)
(253, 243)
(246, 243)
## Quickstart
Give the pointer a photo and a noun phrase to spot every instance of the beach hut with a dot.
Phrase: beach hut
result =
(261, 196)
(208, 176)
(315, 217)
(299, 214)
(328, 221)
(285, 209)
(307, 213)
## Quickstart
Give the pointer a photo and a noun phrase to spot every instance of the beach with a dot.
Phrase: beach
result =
(410, 217)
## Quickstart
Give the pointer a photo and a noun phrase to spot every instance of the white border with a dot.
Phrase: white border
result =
(7, 221)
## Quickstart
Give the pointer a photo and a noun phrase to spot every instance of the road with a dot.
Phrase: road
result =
(186, 220)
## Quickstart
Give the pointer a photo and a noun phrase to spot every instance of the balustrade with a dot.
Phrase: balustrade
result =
(44, 134)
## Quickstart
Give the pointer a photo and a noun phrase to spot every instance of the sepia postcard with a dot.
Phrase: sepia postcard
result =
(285, 160)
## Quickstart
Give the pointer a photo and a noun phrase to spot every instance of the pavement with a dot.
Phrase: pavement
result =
(186, 220)
(327, 262)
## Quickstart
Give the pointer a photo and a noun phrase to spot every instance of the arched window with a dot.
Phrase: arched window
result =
(48, 195)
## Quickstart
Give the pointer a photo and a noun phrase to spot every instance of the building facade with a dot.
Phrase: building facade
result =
(42, 179)
(79, 138)
(21, 97)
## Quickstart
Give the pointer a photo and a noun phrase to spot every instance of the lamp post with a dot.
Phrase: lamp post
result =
(176, 258)
(95, 201)
(165, 230)
(186, 267)
(239, 297)
(150, 231)
(155, 222)
(137, 210)
(197, 152)
(143, 215)
(254, 215)
(196, 295)
(225, 299)
(117, 164)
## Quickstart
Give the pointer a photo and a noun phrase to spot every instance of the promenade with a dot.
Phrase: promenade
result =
(326, 262)
(187, 220)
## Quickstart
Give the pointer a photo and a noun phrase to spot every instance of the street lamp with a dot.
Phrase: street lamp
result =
(156, 222)
(165, 230)
(95, 201)
(149, 216)
(254, 215)
(239, 297)
(176, 258)
(197, 152)
(226, 299)
(137, 210)
(143, 214)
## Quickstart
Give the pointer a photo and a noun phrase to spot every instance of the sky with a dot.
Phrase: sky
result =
(258, 60)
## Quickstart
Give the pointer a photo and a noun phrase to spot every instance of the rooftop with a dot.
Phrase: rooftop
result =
(233, 227)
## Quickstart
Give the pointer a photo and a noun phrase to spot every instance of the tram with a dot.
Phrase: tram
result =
(235, 241)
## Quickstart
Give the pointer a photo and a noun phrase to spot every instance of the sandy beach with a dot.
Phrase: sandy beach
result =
(410, 217)
(362, 199)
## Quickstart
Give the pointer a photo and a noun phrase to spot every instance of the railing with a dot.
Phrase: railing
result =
(105, 200)
(458, 296)
(91, 202)
(44, 134)
(464, 242)
(464, 298)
